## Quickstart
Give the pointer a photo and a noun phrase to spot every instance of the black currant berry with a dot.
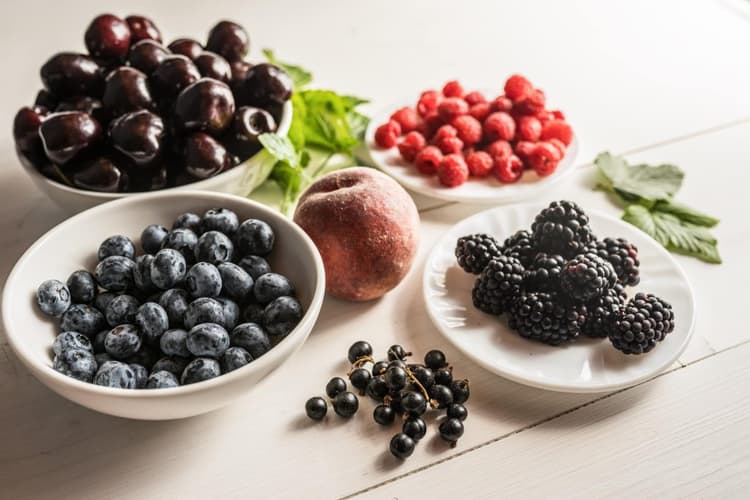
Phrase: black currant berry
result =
(316, 408)
(415, 428)
(435, 359)
(460, 390)
(384, 415)
(413, 403)
(424, 375)
(358, 350)
(335, 386)
(451, 429)
(397, 352)
(457, 410)
(441, 395)
(377, 389)
(345, 404)
(379, 368)
(360, 377)
(402, 446)
(444, 376)
(396, 378)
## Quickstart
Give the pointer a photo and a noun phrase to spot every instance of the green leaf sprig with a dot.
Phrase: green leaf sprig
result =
(647, 193)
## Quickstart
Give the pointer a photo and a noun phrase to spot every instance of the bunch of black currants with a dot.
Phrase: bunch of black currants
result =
(408, 390)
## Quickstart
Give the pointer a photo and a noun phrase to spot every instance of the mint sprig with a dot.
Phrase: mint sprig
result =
(647, 194)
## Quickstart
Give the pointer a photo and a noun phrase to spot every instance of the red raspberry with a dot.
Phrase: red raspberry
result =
(453, 89)
(528, 128)
(559, 145)
(428, 159)
(479, 162)
(523, 150)
(544, 158)
(499, 125)
(558, 129)
(532, 104)
(468, 128)
(450, 145)
(558, 114)
(429, 124)
(407, 118)
(452, 170)
(502, 103)
(499, 149)
(451, 107)
(428, 102)
(475, 97)
(508, 170)
(517, 87)
(445, 131)
(480, 111)
(410, 145)
(386, 134)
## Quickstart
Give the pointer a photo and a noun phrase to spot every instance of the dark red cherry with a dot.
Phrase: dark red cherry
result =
(248, 124)
(26, 127)
(108, 37)
(45, 99)
(100, 174)
(264, 84)
(213, 66)
(239, 70)
(206, 105)
(126, 90)
(138, 135)
(229, 40)
(204, 156)
(142, 28)
(86, 104)
(68, 74)
(146, 55)
(186, 47)
(174, 74)
(68, 133)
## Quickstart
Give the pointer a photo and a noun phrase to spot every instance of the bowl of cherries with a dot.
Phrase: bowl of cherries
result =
(135, 115)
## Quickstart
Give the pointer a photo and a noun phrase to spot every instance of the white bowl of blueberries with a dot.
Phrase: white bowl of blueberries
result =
(165, 305)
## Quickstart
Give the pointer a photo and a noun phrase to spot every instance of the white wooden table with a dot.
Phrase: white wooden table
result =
(658, 81)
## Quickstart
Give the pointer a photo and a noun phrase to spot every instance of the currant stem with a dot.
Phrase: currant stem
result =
(361, 361)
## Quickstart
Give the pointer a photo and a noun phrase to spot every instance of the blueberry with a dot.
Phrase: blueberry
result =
(172, 364)
(188, 220)
(122, 341)
(152, 237)
(173, 343)
(220, 219)
(200, 369)
(152, 321)
(168, 268)
(175, 301)
(203, 310)
(145, 356)
(252, 338)
(281, 316)
(103, 299)
(121, 310)
(115, 374)
(71, 340)
(203, 280)
(102, 357)
(207, 339)
(83, 319)
(77, 363)
(98, 342)
(235, 281)
(161, 380)
(116, 245)
(82, 286)
(214, 247)
(141, 375)
(254, 237)
(142, 273)
(233, 358)
(115, 273)
(53, 297)
(254, 265)
(182, 240)
(270, 286)
(253, 313)
(231, 312)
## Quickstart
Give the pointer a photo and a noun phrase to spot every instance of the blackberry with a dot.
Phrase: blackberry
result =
(543, 274)
(623, 256)
(520, 246)
(602, 311)
(587, 276)
(562, 228)
(498, 285)
(475, 251)
(645, 320)
(544, 317)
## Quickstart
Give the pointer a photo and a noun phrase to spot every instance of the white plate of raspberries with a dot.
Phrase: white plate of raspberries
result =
(474, 147)
(589, 303)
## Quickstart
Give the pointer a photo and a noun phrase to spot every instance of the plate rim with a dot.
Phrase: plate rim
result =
(557, 387)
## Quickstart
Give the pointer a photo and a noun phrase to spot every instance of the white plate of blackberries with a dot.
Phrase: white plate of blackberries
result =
(559, 298)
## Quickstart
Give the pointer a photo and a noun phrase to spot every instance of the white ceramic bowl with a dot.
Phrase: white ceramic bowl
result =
(240, 180)
(72, 245)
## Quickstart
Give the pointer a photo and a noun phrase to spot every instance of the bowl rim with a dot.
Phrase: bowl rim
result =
(203, 184)
(40, 369)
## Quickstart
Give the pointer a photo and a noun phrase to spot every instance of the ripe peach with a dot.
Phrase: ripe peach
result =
(366, 228)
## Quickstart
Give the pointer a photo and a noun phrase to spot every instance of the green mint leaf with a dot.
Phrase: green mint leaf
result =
(358, 123)
(644, 183)
(324, 122)
(280, 147)
(674, 234)
(299, 75)
(289, 178)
